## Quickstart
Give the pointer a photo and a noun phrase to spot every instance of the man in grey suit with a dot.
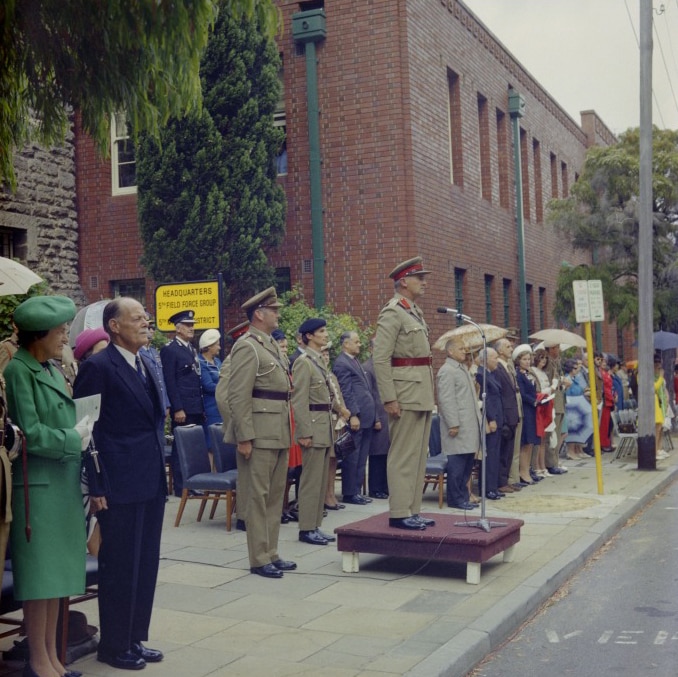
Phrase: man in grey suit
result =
(460, 422)
(358, 398)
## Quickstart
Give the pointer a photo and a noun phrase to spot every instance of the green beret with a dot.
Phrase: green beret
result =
(40, 313)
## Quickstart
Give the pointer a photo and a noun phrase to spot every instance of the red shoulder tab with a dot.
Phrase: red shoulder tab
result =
(404, 304)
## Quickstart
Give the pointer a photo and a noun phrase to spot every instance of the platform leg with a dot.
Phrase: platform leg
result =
(473, 573)
(508, 554)
(350, 563)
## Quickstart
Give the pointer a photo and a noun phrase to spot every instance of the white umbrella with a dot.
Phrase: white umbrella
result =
(89, 317)
(557, 336)
(15, 278)
(469, 336)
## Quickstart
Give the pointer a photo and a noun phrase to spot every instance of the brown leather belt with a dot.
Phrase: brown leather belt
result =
(271, 394)
(411, 361)
(318, 407)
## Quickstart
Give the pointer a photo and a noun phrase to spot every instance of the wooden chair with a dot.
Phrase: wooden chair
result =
(198, 476)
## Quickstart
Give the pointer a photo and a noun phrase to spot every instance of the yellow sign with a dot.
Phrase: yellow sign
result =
(200, 297)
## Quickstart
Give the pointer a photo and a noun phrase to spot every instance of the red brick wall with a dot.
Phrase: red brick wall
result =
(385, 148)
(109, 242)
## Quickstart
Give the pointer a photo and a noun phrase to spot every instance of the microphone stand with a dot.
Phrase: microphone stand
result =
(481, 523)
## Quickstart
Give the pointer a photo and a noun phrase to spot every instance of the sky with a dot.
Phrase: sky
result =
(585, 54)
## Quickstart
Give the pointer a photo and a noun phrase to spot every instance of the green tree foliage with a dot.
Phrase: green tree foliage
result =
(601, 217)
(296, 309)
(139, 57)
(208, 198)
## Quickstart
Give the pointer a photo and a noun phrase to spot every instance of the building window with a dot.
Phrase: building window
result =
(280, 120)
(542, 308)
(488, 298)
(13, 243)
(528, 295)
(503, 159)
(485, 162)
(135, 289)
(459, 291)
(507, 302)
(283, 280)
(538, 196)
(454, 123)
(554, 176)
(525, 172)
(307, 266)
(123, 161)
(566, 185)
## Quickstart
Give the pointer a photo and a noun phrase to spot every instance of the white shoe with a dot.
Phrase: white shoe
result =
(661, 455)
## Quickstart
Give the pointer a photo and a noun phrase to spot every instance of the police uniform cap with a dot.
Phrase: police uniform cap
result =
(183, 317)
(312, 325)
(413, 266)
(208, 338)
(239, 329)
(264, 299)
(40, 313)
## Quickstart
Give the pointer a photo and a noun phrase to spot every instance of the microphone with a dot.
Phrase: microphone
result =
(453, 311)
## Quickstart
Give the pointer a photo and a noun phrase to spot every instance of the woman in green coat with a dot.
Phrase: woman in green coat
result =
(49, 562)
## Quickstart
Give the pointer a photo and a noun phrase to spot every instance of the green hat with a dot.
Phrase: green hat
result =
(40, 313)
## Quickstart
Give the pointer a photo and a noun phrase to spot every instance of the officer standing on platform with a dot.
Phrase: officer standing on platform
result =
(181, 369)
(402, 365)
(258, 398)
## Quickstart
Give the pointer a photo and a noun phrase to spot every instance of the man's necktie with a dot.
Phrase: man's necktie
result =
(140, 369)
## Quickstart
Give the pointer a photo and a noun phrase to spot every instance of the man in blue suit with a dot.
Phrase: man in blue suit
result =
(128, 436)
(357, 394)
(181, 368)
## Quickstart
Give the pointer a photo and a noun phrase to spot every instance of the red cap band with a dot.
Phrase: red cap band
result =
(410, 270)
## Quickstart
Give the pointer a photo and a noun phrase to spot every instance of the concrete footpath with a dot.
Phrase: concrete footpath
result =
(396, 616)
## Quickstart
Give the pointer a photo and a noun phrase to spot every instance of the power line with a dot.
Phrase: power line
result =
(666, 68)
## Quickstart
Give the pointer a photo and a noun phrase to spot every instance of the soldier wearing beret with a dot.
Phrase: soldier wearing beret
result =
(181, 369)
(312, 404)
(258, 400)
(402, 365)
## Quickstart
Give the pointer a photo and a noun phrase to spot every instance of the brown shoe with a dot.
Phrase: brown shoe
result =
(517, 487)
(507, 489)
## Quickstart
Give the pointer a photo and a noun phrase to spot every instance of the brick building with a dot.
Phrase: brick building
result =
(415, 156)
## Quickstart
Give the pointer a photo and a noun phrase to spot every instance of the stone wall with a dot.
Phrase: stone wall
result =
(39, 221)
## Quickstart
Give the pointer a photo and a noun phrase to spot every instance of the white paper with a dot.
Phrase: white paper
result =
(88, 406)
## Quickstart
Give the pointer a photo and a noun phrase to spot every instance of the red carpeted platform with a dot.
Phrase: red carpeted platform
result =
(447, 541)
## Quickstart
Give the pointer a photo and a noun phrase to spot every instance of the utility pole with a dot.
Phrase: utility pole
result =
(647, 456)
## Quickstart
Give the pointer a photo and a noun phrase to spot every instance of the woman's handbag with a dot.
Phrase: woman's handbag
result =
(344, 445)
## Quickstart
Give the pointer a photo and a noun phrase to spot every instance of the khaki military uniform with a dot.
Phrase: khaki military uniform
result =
(258, 392)
(312, 404)
(402, 340)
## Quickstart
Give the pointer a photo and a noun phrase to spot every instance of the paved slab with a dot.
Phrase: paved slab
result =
(396, 616)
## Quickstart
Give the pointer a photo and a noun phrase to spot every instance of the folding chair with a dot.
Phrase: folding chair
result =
(625, 428)
(197, 473)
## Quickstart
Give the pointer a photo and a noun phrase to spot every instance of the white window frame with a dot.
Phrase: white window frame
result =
(118, 135)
